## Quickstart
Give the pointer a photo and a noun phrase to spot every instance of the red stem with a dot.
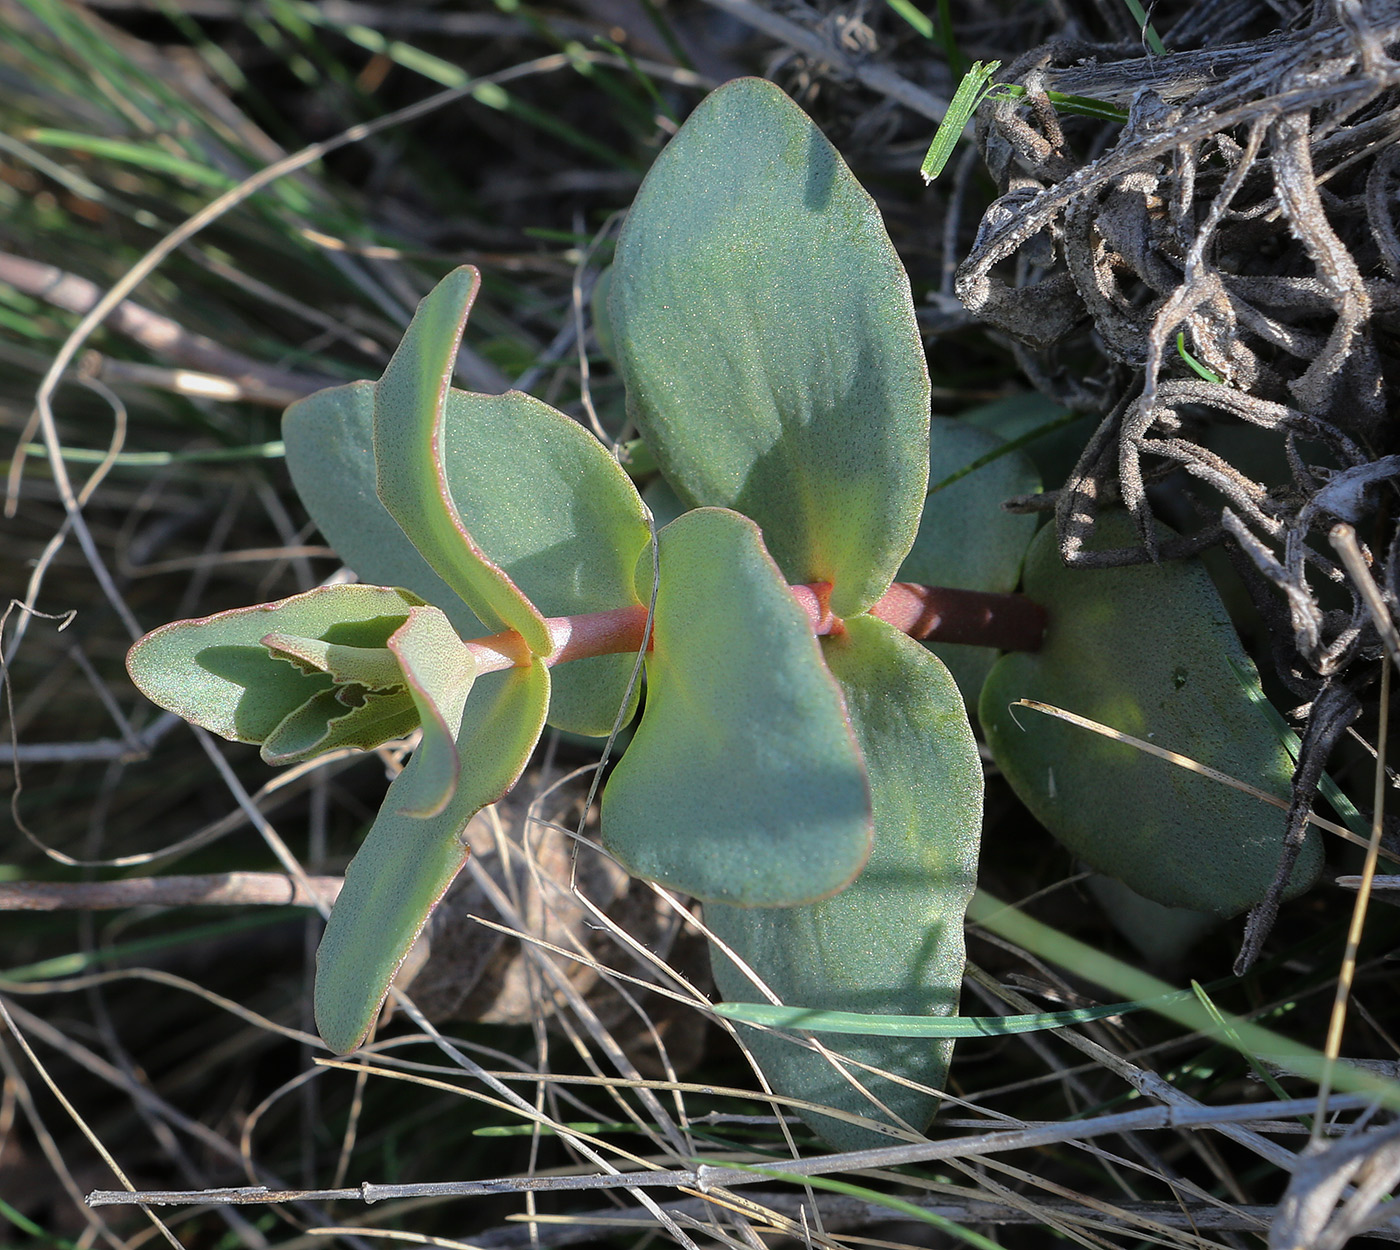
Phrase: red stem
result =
(932, 613)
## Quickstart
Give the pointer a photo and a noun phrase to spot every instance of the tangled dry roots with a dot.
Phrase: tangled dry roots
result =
(1245, 216)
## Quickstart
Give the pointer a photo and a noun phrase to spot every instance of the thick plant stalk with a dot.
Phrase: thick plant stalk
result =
(929, 613)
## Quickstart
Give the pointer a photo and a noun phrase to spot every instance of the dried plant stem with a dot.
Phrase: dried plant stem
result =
(1344, 540)
(709, 1178)
(264, 889)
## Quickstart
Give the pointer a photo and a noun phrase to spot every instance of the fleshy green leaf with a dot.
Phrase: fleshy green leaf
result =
(1146, 650)
(375, 668)
(440, 672)
(743, 782)
(216, 672)
(410, 461)
(406, 863)
(966, 539)
(891, 942)
(544, 500)
(766, 334)
(330, 455)
(333, 719)
(549, 505)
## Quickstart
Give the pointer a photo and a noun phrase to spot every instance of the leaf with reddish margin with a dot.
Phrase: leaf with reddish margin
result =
(406, 862)
(216, 672)
(375, 668)
(330, 455)
(440, 672)
(357, 718)
(551, 507)
(410, 461)
(546, 502)
(743, 783)
(765, 329)
(892, 941)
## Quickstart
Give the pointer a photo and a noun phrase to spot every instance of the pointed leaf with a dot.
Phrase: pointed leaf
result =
(406, 863)
(375, 668)
(891, 942)
(544, 500)
(966, 539)
(440, 672)
(766, 334)
(410, 461)
(330, 455)
(548, 504)
(215, 672)
(328, 722)
(1146, 650)
(743, 782)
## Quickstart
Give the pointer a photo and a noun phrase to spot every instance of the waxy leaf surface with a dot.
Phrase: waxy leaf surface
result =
(966, 539)
(216, 672)
(358, 718)
(543, 499)
(551, 507)
(1145, 650)
(766, 334)
(375, 668)
(407, 862)
(440, 671)
(743, 782)
(410, 461)
(330, 455)
(891, 942)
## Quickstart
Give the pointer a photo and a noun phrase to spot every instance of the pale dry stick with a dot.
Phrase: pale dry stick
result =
(1186, 762)
(99, 750)
(91, 1062)
(1343, 539)
(233, 889)
(474, 1069)
(708, 1178)
(870, 73)
(232, 371)
(82, 1125)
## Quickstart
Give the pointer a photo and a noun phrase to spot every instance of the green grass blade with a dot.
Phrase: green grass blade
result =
(1184, 1009)
(812, 1021)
